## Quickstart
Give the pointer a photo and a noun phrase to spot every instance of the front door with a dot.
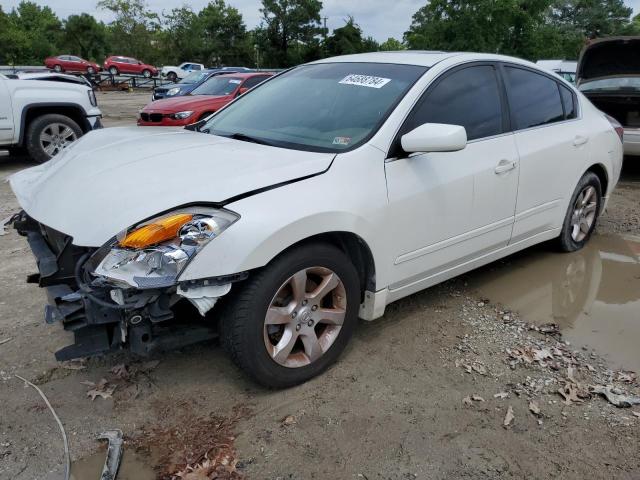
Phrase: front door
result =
(451, 207)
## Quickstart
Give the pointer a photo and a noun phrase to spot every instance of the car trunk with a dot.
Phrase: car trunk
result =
(624, 108)
(616, 59)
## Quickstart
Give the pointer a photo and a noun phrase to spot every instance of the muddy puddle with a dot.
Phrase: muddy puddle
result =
(132, 467)
(593, 294)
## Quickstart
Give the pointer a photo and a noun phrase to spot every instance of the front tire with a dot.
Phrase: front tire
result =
(172, 76)
(582, 215)
(57, 68)
(49, 134)
(146, 73)
(91, 70)
(292, 319)
(113, 70)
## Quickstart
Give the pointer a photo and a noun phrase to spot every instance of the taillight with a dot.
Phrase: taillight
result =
(616, 126)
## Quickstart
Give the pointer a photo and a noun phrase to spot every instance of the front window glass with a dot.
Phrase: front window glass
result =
(218, 86)
(327, 107)
(606, 84)
(469, 97)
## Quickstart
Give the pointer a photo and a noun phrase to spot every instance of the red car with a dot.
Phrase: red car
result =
(71, 63)
(116, 65)
(204, 100)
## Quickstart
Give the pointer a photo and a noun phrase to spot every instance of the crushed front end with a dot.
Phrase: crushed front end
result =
(105, 318)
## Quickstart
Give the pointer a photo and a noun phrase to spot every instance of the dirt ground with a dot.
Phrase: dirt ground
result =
(425, 392)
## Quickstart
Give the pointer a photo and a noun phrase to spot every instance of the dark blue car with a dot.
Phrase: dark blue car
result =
(191, 81)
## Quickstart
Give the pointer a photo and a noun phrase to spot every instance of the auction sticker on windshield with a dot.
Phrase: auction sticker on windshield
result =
(365, 81)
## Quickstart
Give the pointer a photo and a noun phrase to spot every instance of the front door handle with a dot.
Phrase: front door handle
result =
(504, 166)
(580, 140)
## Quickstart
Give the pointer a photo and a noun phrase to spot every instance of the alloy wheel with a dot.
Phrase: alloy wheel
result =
(55, 137)
(305, 317)
(584, 213)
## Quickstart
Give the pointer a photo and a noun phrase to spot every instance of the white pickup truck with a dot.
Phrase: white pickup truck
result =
(45, 113)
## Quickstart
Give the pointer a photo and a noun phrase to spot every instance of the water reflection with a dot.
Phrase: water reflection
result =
(593, 294)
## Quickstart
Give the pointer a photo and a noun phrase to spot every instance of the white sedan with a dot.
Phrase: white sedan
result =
(321, 196)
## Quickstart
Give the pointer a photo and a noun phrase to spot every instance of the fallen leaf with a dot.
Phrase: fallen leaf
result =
(479, 368)
(534, 407)
(570, 393)
(508, 418)
(75, 364)
(467, 401)
(501, 395)
(100, 389)
(477, 398)
(121, 371)
(289, 420)
(637, 414)
(626, 377)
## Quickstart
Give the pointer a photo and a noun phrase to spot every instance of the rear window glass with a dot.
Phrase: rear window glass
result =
(534, 99)
(569, 103)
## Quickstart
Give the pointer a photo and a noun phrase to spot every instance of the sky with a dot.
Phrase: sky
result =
(380, 19)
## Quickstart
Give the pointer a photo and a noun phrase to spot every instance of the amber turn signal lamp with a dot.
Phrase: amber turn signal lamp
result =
(159, 231)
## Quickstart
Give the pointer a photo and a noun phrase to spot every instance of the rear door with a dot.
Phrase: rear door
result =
(552, 145)
(451, 207)
(6, 113)
(75, 64)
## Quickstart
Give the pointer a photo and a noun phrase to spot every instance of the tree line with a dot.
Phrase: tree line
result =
(292, 32)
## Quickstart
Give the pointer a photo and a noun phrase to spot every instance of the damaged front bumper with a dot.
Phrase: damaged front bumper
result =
(104, 318)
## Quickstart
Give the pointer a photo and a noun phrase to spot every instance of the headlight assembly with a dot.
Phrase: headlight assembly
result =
(181, 115)
(173, 91)
(154, 254)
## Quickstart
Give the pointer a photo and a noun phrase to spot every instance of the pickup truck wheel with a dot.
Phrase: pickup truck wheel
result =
(291, 320)
(49, 134)
(172, 76)
(146, 73)
(113, 70)
(582, 215)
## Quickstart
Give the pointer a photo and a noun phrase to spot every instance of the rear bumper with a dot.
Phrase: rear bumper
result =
(98, 323)
(631, 141)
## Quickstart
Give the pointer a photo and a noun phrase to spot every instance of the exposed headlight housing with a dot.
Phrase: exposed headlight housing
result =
(173, 91)
(154, 254)
(181, 115)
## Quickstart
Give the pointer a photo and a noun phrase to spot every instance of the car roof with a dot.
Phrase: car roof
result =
(244, 74)
(425, 58)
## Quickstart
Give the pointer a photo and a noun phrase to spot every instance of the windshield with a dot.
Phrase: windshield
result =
(218, 86)
(194, 77)
(327, 107)
(611, 84)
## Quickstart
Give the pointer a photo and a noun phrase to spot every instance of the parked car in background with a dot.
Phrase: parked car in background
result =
(181, 71)
(205, 99)
(609, 75)
(72, 64)
(564, 68)
(45, 113)
(191, 81)
(116, 65)
(325, 194)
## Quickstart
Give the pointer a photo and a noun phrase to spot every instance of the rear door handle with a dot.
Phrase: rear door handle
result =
(504, 166)
(580, 140)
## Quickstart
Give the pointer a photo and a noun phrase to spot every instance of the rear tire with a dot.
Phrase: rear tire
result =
(172, 76)
(47, 135)
(582, 214)
(91, 70)
(247, 335)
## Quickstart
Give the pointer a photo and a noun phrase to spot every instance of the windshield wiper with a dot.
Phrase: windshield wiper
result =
(248, 138)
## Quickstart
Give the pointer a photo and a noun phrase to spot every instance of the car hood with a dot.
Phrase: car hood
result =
(113, 178)
(609, 57)
(170, 105)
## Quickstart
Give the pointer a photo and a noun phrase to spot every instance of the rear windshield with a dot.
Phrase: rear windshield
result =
(328, 107)
(218, 86)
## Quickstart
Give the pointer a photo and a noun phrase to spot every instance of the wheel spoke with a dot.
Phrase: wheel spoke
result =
(66, 133)
(584, 225)
(312, 347)
(575, 231)
(328, 283)
(278, 316)
(299, 286)
(330, 316)
(50, 149)
(282, 350)
(591, 207)
(45, 137)
(588, 193)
